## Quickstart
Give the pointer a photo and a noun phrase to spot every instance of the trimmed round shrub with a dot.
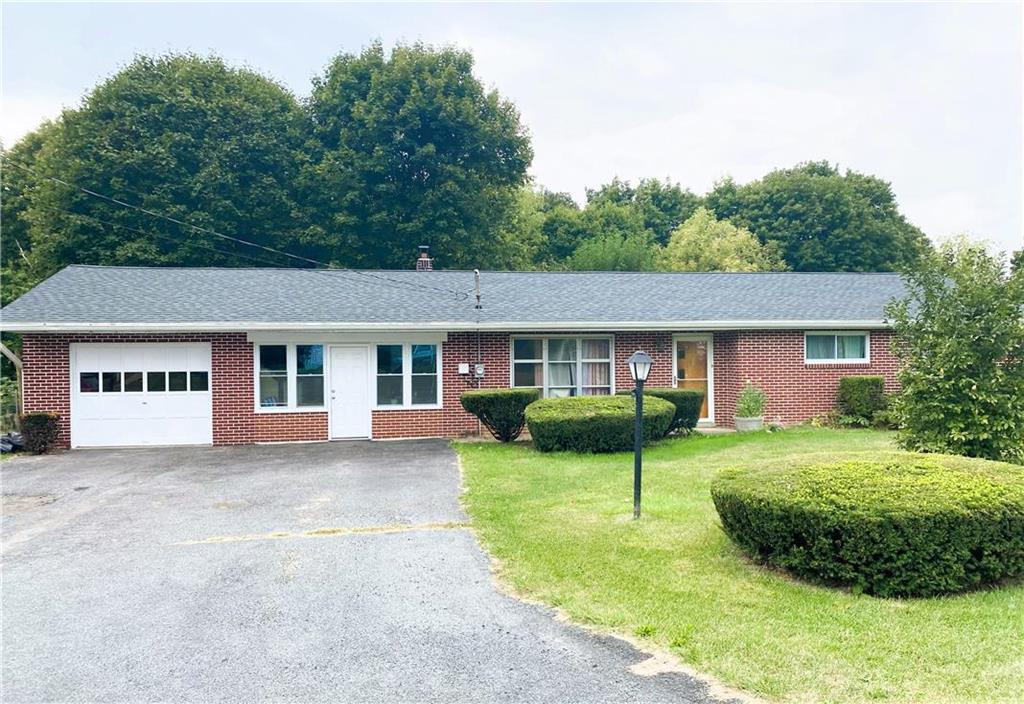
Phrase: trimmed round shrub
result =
(899, 525)
(39, 431)
(688, 403)
(861, 397)
(594, 423)
(502, 411)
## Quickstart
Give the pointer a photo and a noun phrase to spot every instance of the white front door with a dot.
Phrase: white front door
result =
(141, 394)
(350, 392)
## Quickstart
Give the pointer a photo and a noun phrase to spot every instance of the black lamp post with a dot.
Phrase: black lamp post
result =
(639, 367)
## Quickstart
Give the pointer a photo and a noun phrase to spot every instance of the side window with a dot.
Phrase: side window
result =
(389, 375)
(309, 375)
(273, 375)
(424, 375)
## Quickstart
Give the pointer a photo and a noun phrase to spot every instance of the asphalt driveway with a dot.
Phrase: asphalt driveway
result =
(321, 572)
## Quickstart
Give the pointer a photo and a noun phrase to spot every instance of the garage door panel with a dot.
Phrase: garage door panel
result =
(154, 415)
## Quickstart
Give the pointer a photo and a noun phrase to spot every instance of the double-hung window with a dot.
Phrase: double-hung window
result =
(290, 377)
(837, 347)
(563, 366)
(407, 375)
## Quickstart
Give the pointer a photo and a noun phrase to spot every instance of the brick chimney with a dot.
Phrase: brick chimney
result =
(424, 262)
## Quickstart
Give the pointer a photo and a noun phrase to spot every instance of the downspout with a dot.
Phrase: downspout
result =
(16, 361)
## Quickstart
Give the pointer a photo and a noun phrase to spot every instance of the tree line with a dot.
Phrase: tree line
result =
(389, 151)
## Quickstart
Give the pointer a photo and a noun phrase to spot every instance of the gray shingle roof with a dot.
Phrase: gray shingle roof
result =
(212, 298)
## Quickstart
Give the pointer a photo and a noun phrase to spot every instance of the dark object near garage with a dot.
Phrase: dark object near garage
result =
(39, 431)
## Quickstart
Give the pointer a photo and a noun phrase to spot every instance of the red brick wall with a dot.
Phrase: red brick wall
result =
(771, 359)
(774, 361)
(47, 386)
(451, 420)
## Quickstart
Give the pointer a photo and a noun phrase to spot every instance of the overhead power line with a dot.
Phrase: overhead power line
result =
(152, 213)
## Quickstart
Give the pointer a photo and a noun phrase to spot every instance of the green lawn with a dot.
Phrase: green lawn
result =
(560, 525)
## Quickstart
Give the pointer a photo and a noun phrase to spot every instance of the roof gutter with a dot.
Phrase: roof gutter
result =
(447, 326)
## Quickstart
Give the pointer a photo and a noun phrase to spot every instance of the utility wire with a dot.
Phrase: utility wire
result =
(408, 284)
(148, 233)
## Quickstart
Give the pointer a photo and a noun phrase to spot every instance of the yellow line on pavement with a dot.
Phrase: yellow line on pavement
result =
(329, 532)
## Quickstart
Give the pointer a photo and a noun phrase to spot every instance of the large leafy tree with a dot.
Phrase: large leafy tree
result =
(823, 220)
(703, 243)
(661, 205)
(961, 344)
(413, 149)
(616, 240)
(17, 184)
(184, 136)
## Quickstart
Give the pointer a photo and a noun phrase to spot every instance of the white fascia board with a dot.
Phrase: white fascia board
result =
(449, 326)
(346, 337)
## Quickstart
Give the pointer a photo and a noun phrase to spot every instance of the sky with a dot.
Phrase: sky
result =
(925, 96)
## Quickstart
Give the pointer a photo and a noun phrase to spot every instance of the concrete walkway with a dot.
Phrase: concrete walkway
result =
(323, 572)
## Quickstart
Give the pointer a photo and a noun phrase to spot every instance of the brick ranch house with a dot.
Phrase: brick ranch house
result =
(162, 356)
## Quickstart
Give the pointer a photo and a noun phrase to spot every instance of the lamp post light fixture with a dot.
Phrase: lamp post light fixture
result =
(639, 367)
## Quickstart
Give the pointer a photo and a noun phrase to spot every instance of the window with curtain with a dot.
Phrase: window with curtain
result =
(563, 366)
(836, 347)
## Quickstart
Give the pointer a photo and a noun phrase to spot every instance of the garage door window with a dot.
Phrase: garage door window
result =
(89, 382)
(177, 381)
(111, 382)
(133, 381)
(198, 381)
(156, 381)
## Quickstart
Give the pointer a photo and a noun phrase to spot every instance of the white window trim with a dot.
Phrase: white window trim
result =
(866, 359)
(291, 367)
(709, 338)
(407, 404)
(544, 360)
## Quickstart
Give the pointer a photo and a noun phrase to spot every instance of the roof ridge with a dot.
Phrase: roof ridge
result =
(119, 267)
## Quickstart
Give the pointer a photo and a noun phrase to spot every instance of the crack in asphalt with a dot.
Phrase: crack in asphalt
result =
(330, 532)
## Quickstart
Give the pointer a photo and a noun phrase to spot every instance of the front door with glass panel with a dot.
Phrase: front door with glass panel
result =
(350, 392)
(694, 369)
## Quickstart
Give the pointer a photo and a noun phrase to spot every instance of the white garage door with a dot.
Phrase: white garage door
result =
(140, 394)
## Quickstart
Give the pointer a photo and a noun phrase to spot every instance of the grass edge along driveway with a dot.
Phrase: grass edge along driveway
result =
(560, 527)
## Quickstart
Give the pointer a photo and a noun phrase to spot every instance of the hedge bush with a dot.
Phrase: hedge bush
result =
(502, 411)
(39, 431)
(594, 423)
(688, 403)
(861, 397)
(900, 525)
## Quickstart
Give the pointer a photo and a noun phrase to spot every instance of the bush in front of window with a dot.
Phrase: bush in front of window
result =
(502, 411)
(899, 525)
(595, 423)
(39, 431)
(860, 398)
(688, 403)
